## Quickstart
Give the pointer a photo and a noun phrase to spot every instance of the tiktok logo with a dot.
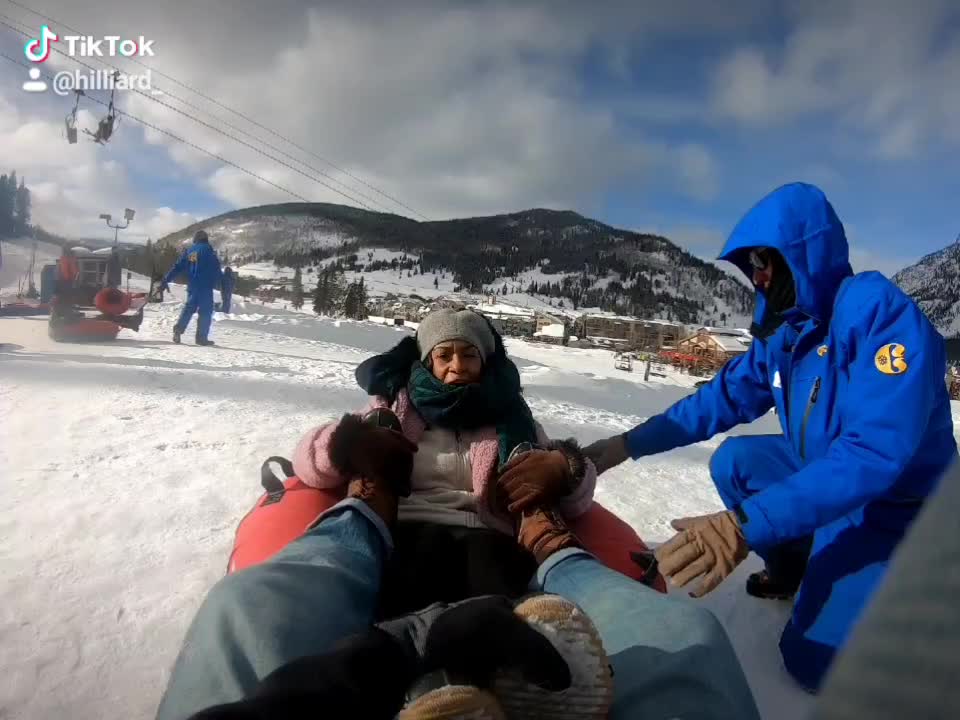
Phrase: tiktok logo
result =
(38, 49)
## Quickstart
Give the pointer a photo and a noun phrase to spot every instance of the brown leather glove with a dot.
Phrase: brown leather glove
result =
(362, 449)
(535, 479)
(708, 545)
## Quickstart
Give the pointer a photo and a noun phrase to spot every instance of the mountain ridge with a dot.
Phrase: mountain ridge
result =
(558, 254)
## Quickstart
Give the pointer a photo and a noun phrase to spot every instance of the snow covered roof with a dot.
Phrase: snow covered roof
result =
(736, 332)
(729, 343)
(626, 318)
(501, 309)
(551, 331)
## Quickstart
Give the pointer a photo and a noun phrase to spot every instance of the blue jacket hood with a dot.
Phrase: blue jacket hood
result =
(799, 221)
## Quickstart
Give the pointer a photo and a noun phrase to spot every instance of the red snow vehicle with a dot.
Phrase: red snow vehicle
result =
(289, 506)
(76, 323)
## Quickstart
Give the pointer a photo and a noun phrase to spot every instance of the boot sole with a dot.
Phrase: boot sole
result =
(575, 637)
(454, 702)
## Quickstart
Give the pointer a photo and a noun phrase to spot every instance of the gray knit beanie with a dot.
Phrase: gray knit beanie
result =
(443, 325)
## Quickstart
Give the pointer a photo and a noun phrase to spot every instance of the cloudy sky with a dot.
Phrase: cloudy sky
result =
(672, 116)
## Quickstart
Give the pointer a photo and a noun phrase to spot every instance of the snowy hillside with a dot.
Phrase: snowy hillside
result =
(127, 465)
(16, 254)
(934, 282)
(552, 255)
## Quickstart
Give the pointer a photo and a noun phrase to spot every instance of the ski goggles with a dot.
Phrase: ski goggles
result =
(759, 259)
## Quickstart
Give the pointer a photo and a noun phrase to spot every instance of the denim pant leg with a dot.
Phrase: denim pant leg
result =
(320, 589)
(671, 657)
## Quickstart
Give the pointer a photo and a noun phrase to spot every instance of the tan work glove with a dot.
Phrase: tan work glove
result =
(708, 545)
(608, 453)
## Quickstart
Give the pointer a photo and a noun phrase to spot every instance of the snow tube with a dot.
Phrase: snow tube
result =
(83, 329)
(19, 309)
(111, 301)
(289, 506)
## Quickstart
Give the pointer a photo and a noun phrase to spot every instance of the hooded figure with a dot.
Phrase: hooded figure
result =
(226, 289)
(114, 269)
(855, 371)
(200, 263)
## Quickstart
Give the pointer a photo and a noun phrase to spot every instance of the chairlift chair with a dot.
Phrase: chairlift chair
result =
(71, 120)
(105, 126)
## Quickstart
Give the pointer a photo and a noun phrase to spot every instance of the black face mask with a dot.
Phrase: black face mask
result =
(781, 295)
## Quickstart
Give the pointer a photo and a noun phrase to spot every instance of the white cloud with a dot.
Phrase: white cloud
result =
(454, 108)
(71, 185)
(697, 170)
(882, 69)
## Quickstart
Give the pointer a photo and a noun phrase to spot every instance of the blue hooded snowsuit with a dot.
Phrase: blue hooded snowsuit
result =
(202, 266)
(226, 290)
(856, 373)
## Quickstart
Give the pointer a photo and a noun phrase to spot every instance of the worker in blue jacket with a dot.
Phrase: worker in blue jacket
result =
(226, 290)
(202, 266)
(856, 374)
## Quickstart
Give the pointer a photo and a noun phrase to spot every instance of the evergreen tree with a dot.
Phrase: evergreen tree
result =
(296, 291)
(329, 292)
(6, 207)
(21, 209)
(321, 293)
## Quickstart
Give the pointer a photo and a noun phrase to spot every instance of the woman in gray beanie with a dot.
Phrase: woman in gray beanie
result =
(446, 480)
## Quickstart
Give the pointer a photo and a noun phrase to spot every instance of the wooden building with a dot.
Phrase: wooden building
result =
(712, 347)
(629, 332)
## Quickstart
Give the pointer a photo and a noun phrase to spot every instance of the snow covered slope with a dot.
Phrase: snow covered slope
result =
(16, 255)
(564, 254)
(126, 466)
(934, 282)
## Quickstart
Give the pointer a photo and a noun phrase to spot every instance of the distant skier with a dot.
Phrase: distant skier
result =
(114, 269)
(200, 262)
(855, 371)
(68, 269)
(226, 289)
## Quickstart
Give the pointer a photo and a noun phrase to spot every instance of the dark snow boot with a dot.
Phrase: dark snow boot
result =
(785, 567)
(176, 335)
(205, 342)
(767, 587)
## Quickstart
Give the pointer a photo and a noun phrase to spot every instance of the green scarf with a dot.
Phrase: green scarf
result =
(496, 400)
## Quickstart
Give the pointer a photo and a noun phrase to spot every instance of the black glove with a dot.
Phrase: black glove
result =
(473, 639)
(367, 676)
(369, 448)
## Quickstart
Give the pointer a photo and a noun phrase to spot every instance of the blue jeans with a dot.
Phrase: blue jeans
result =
(670, 656)
(200, 302)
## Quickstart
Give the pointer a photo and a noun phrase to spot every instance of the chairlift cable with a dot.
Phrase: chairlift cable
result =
(99, 135)
(174, 137)
(250, 120)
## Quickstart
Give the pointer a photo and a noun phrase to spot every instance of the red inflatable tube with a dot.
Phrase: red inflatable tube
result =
(84, 329)
(111, 301)
(283, 513)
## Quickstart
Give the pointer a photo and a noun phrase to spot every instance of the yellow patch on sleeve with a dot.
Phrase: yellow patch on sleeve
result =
(891, 359)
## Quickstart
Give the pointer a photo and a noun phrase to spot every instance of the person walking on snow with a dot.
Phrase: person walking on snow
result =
(114, 269)
(855, 372)
(226, 290)
(200, 262)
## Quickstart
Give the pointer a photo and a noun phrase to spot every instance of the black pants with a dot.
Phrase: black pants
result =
(444, 563)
